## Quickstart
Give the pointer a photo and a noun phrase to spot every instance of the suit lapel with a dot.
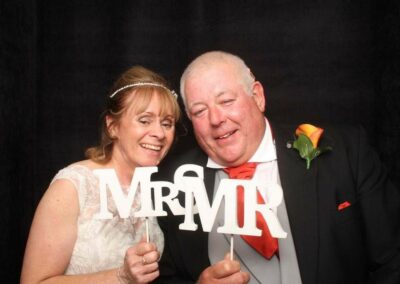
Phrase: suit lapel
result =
(301, 198)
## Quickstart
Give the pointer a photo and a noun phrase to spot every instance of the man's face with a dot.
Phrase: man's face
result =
(228, 122)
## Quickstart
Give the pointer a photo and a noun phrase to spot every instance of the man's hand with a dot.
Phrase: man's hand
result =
(224, 271)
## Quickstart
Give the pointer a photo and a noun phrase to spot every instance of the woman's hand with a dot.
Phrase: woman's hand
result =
(140, 264)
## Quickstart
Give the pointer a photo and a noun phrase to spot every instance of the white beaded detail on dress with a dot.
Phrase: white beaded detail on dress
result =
(101, 244)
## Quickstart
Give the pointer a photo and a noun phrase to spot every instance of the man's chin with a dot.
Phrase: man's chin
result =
(227, 160)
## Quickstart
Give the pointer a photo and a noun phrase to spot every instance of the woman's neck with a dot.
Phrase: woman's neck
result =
(124, 171)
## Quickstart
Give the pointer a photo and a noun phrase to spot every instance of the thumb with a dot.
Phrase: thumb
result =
(143, 239)
(228, 256)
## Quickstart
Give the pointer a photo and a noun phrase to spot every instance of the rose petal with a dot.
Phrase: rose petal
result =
(315, 136)
(311, 131)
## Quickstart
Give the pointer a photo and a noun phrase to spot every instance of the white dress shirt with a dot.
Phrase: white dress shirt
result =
(282, 270)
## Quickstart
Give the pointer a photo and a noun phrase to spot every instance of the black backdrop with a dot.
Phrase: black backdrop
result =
(333, 61)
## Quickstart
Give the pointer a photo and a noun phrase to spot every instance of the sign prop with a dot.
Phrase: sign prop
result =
(196, 200)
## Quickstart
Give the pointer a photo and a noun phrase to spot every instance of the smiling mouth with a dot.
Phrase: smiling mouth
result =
(226, 135)
(151, 147)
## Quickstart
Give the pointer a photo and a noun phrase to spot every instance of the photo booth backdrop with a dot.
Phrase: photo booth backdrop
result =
(334, 61)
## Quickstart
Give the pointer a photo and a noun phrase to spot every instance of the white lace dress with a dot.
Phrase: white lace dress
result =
(101, 244)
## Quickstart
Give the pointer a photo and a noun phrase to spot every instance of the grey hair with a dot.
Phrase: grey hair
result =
(208, 59)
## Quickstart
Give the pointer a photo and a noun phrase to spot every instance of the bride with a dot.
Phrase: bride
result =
(66, 243)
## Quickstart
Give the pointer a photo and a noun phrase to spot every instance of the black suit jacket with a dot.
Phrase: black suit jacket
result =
(359, 244)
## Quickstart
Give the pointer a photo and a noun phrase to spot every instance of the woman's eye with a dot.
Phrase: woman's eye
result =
(167, 124)
(144, 121)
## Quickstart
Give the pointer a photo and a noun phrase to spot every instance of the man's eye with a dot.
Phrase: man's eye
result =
(228, 101)
(198, 112)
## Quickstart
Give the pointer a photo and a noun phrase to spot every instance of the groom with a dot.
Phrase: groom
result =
(341, 215)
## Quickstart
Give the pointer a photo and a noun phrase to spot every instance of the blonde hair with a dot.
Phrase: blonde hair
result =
(134, 88)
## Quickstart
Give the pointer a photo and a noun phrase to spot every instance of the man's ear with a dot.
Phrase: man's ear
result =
(259, 96)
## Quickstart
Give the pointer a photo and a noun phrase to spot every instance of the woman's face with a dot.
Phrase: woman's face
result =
(143, 139)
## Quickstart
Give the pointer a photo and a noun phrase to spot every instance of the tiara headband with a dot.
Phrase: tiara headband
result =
(144, 84)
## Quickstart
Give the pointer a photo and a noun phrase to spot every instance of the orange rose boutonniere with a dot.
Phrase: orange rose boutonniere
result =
(307, 142)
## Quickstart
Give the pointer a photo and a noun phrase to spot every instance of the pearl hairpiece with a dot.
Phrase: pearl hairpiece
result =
(144, 84)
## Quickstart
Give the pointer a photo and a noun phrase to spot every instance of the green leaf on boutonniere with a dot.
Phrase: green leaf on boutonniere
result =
(306, 150)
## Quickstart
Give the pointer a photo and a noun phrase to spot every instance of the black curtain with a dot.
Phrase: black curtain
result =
(333, 61)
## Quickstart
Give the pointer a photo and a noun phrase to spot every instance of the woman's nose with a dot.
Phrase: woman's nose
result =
(158, 131)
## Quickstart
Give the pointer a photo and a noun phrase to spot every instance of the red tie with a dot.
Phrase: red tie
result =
(265, 244)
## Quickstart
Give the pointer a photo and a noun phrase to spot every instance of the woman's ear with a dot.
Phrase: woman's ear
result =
(111, 127)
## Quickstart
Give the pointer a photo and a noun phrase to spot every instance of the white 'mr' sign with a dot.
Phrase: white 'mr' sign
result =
(196, 200)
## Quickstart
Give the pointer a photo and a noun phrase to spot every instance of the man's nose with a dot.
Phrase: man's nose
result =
(216, 116)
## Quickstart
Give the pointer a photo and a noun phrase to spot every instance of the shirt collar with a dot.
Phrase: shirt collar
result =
(265, 152)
